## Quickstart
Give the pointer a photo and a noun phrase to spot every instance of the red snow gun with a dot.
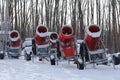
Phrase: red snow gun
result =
(15, 40)
(92, 37)
(41, 35)
(95, 50)
(67, 41)
(42, 42)
(53, 39)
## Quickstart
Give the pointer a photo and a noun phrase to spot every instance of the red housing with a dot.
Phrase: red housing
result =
(53, 38)
(67, 41)
(92, 37)
(41, 35)
(15, 40)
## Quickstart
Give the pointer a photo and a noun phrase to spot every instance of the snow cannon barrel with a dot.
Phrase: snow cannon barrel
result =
(66, 33)
(53, 39)
(92, 37)
(41, 35)
(15, 40)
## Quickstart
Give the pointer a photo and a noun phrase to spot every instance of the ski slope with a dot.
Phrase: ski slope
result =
(20, 69)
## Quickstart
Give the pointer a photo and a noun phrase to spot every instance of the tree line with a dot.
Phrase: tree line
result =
(25, 15)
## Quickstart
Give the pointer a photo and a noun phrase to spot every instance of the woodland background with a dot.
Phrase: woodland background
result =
(25, 15)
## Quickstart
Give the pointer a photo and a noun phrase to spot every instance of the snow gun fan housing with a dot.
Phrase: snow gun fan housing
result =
(66, 33)
(53, 39)
(92, 37)
(67, 41)
(15, 40)
(41, 35)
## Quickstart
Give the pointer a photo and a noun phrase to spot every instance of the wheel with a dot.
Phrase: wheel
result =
(80, 66)
(116, 60)
(2, 56)
(52, 61)
(16, 57)
(40, 59)
(28, 57)
(58, 49)
(34, 47)
(84, 52)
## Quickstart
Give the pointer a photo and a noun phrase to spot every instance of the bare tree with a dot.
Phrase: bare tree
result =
(25, 15)
(81, 20)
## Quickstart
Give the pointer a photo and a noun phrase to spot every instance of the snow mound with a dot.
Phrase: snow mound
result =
(17, 69)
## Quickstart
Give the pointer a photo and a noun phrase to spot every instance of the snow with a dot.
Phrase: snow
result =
(27, 50)
(95, 34)
(42, 34)
(15, 38)
(27, 43)
(117, 54)
(20, 69)
(3, 32)
(28, 39)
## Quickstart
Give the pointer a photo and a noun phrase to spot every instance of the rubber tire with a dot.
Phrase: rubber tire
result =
(80, 66)
(16, 57)
(58, 49)
(40, 59)
(2, 56)
(34, 47)
(28, 57)
(52, 61)
(116, 60)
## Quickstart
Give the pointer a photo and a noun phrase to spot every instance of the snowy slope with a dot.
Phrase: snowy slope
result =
(19, 69)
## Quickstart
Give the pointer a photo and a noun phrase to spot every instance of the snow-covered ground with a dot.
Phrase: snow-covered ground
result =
(20, 69)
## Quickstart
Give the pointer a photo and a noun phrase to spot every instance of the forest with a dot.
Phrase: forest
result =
(26, 15)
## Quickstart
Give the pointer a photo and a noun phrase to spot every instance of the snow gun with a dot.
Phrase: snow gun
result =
(42, 41)
(92, 37)
(95, 51)
(68, 47)
(67, 41)
(53, 39)
(15, 44)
